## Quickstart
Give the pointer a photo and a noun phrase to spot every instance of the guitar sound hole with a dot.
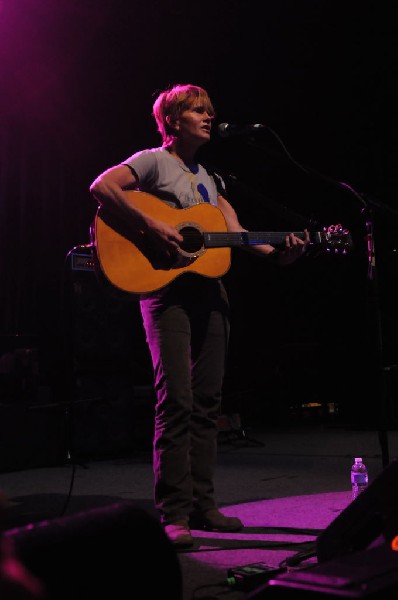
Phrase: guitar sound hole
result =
(193, 239)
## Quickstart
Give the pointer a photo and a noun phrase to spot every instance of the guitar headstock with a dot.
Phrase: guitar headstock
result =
(336, 239)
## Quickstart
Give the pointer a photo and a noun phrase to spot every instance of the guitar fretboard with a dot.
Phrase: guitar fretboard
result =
(244, 238)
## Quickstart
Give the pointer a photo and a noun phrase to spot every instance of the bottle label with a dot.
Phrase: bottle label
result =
(359, 478)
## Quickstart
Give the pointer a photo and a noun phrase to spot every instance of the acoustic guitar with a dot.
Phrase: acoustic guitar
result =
(128, 262)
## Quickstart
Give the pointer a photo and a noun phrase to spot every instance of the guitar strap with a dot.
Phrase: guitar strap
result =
(219, 181)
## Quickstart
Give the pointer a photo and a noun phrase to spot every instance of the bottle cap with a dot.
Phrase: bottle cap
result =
(358, 459)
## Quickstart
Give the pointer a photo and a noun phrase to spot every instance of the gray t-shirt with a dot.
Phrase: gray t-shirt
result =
(161, 174)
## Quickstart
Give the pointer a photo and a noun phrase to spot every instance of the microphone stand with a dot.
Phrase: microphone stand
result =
(372, 278)
(374, 301)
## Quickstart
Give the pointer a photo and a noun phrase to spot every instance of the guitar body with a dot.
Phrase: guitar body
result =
(127, 262)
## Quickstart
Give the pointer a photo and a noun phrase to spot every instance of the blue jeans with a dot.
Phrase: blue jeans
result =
(187, 331)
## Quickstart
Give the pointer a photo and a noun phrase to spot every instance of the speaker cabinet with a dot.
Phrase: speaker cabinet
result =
(368, 516)
(116, 551)
(357, 553)
(107, 359)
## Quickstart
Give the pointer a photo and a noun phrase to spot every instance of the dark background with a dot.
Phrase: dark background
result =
(78, 80)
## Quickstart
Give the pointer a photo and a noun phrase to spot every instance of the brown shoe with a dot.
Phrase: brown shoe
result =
(214, 520)
(179, 534)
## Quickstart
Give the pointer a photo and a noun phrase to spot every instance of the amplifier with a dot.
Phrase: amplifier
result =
(81, 258)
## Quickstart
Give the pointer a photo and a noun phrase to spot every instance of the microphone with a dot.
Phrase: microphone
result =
(228, 129)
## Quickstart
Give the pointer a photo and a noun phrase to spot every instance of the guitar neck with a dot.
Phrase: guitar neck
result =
(253, 238)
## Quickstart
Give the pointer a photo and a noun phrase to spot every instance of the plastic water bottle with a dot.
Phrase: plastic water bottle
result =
(359, 477)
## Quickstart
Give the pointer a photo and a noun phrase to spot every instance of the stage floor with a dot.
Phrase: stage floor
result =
(286, 484)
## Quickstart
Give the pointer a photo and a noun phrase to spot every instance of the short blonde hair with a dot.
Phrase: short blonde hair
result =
(173, 101)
